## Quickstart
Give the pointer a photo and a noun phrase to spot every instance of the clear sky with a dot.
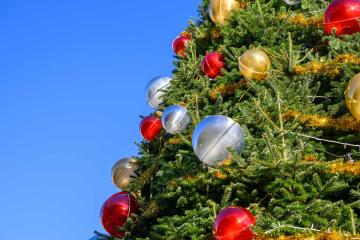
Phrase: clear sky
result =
(72, 78)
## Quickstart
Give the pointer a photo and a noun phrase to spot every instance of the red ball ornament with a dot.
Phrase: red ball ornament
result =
(115, 212)
(342, 15)
(212, 64)
(150, 127)
(180, 43)
(233, 223)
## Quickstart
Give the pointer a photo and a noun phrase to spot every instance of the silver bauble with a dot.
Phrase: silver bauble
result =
(175, 119)
(214, 135)
(122, 171)
(154, 91)
(292, 2)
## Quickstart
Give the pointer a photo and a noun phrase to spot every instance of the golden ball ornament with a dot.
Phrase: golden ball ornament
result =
(220, 10)
(352, 96)
(254, 64)
(122, 171)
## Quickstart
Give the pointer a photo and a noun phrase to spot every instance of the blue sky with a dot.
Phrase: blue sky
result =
(72, 78)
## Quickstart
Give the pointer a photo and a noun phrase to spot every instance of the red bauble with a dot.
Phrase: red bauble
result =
(115, 212)
(180, 42)
(342, 15)
(212, 64)
(233, 223)
(150, 127)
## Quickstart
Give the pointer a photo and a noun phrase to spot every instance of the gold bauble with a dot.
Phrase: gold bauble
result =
(122, 171)
(254, 64)
(352, 96)
(220, 10)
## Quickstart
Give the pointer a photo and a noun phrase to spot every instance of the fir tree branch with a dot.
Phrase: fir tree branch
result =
(214, 212)
(270, 146)
(197, 109)
(291, 52)
(354, 203)
(352, 217)
(332, 154)
(305, 56)
(293, 227)
(245, 93)
(315, 97)
(193, 53)
(324, 140)
(282, 132)
(187, 142)
(260, 10)
(257, 104)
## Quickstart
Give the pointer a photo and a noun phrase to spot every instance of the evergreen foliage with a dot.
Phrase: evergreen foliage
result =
(181, 197)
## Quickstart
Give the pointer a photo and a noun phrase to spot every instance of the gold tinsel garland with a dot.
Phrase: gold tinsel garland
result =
(343, 123)
(227, 89)
(341, 167)
(331, 68)
(320, 236)
(302, 20)
(316, 67)
(310, 158)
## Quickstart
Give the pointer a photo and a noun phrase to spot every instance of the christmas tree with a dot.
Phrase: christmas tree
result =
(283, 73)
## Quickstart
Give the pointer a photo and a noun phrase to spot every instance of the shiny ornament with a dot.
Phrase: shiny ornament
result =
(150, 127)
(254, 64)
(180, 43)
(175, 119)
(221, 10)
(233, 223)
(212, 64)
(343, 16)
(292, 2)
(122, 171)
(155, 91)
(115, 212)
(352, 96)
(213, 136)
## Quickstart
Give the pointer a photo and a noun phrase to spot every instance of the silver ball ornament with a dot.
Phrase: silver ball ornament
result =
(154, 91)
(175, 119)
(214, 135)
(122, 171)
